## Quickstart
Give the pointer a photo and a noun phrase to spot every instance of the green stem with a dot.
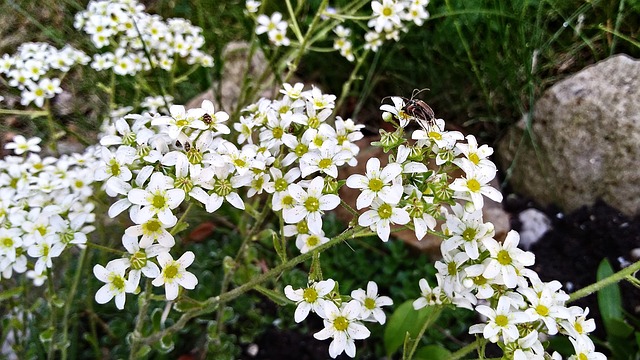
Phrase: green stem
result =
(620, 275)
(30, 113)
(67, 306)
(136, 338)
(346, 87)
(294, 23)
(465, 350)
(105, 248)
(427, 322)
(211, 304)
(52, 318)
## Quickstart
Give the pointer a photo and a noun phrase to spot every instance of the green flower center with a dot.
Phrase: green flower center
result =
(310, 295)
(301, 149)
(385, 211)
(171, 271)
(582, 356)
(239, 163)
(324, 163)
(313, 241)
(369, 303)
(222, 187)
(138, 260)
(114, 168)
(151, 227)
(117, 282)
(281, 184)
(578, 327)
(387, 11)
(312, 204)
(313, 122)
(341, 323)
(278, 132)
(452, 268)
(302, 227)
(473, 185)
(375, 185)
(469, 234)
(479, 280)
(182, 122)
(502, 320)
(7, 242)
(435, 135)
(159, 201)
(504, 258)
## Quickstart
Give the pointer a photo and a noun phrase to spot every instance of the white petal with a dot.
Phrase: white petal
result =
(188, 280)
(103, 295)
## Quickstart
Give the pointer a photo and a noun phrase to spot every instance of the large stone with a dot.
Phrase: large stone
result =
(583, 141)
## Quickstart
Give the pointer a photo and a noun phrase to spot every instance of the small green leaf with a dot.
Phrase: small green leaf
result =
(143, 352)
(57, 302)
(274, 296)
(185, 305)
(618, 328)
(47, 335)
(432, 352)
(166, 344)
(609, 298)
(7, 294)
(156, 319)
(278, 245)
(404, 320)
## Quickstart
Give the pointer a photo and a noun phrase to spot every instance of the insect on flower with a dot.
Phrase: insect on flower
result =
(419, 110)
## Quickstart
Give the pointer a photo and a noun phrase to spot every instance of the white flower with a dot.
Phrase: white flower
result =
(20, 145)
(179, 119)
(474, 155)
(311, 204)
(342, 325)
(215, 119)
(467, 231)
(371, 303)
(506, 259)
(326, 160)
(544, 307)
(474, 185)
(386, 15)
(252, 6)
(585, 350)
(158, 199)
(174, 273)
(308, 242)
(116, 285)
(152, 230)
(140, 259)
(45, 249)
(222, 185)
(577, 325)
(381, 216)
(428, 296)
(268, 25)
(310, 298)
(377, 183)
(501, 321)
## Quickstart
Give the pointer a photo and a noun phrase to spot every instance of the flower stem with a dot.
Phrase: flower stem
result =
(67, 306)
(433, 315)
(620, 275)
(136, 338)
(213, 303)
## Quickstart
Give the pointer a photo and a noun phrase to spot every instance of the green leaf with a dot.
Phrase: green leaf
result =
(185, 305)
(278, 245)
(609, 298)
(404, 320)
(47, 335)
(156, 319)
(7, 294)
(432, 352)
(618, 328)
(143, 352)
(274, 296)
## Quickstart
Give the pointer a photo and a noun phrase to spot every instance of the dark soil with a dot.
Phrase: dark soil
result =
(573, 249)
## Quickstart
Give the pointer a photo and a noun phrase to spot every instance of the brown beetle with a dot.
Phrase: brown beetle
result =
(420, 111)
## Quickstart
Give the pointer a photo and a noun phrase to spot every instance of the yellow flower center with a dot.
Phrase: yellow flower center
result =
(473, 185)
(504, 258)
(385, 211)
(170, 272)
(313, 241)
(310, 295)
(375, 185)
(324, 163)
(542, 310)
(502, 320)
(474, 158)
(312, 204)
(159, 201)
(369, 303)
(341, 323)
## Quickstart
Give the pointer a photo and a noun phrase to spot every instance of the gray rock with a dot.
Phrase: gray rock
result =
(583, 141)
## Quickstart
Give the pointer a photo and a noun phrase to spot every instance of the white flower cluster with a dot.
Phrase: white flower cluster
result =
(152, 163)
(124, 26)
(274, 27)
(476, 271)
(44, 207)
(36, 69)
(343, 317)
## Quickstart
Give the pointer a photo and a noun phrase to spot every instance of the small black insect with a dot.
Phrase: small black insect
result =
(419, 110)
(207, 119)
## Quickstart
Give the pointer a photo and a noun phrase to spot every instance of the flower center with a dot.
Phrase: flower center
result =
(7, 242)
(302, 227)
(151, 227)
(504, 258)
(387, 11)
(578, 327)
(473, 185)
(313, 122)
(375, 185)
(324, 163)
(182, 122)
(115, 168)
(171, 272)
(369, 303)
(435, 135)
(310, 295)
(301, 149)
(542, 310)
(312, 204)
(384, 211)
(117, 282)
(341, 323)
(138, 260)
(313, 241)
(452, 268)
(469, 234)
(158, 201)
(502, 320)
(474, 158)
(222, 187)
(278, 132)
(281, 184)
